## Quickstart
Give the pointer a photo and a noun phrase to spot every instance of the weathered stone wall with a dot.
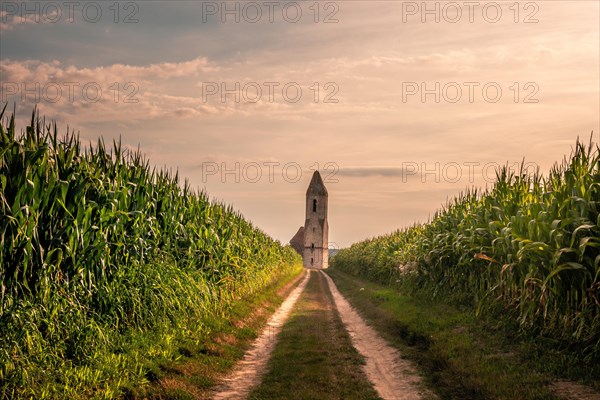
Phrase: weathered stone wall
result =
(297, 241)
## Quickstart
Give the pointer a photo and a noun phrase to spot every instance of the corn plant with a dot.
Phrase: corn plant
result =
(94, 243)
(530, 243)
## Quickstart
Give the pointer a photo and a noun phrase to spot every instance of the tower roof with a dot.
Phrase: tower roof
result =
(316, 185)
(297, 241)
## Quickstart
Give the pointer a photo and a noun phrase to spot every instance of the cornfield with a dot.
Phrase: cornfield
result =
(95, 247)
(530, 244)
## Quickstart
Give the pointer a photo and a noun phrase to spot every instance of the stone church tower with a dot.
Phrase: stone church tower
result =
(316, 228)
(311, 240)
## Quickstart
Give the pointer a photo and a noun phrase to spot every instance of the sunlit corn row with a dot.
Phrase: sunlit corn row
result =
(94, 241)
(530, 242)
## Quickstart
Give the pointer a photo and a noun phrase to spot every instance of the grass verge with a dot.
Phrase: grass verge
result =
(462, 357)
(314, 358)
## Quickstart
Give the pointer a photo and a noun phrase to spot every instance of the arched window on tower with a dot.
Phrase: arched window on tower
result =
(314, 205)
(312, 246)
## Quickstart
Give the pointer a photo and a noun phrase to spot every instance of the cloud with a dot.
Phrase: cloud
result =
(105, 93)
(366, 172)
(9, 22)
(39, 71)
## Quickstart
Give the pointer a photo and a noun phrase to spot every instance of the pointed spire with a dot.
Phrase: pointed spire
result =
(316, 185)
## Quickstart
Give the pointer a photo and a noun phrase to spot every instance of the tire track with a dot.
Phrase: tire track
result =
(393, 377)
(248, 372)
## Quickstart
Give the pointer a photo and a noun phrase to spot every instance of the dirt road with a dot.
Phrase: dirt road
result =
(293, 374)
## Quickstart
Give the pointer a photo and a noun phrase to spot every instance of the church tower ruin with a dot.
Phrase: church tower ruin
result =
(315, 253)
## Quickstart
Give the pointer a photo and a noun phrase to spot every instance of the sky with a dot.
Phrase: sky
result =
(401, 105)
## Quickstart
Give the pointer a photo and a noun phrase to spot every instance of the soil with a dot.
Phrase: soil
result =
(574, 391)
